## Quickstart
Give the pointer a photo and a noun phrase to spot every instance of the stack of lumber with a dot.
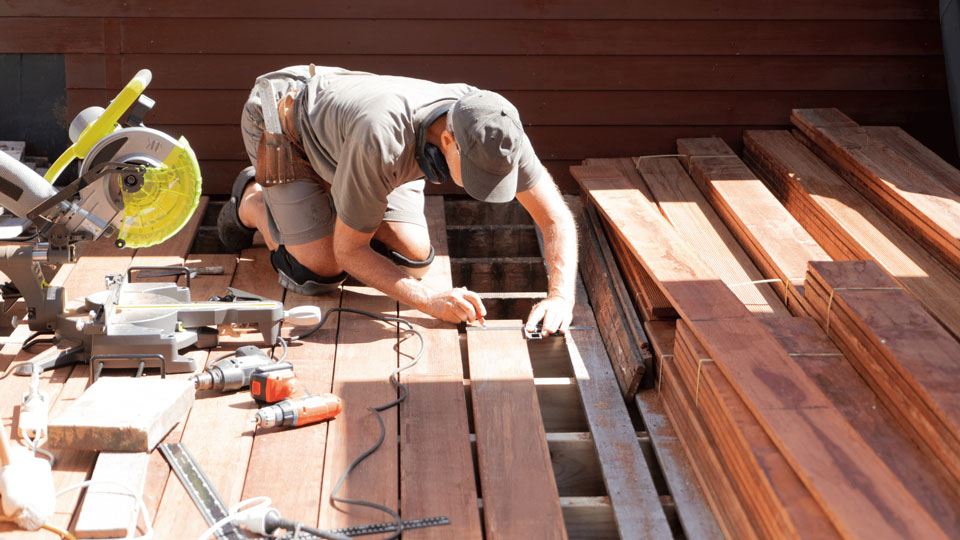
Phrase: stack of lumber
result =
(907, 358)
(809, 373)
(923, 203)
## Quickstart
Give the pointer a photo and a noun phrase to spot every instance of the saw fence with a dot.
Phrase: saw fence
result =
(802, 316)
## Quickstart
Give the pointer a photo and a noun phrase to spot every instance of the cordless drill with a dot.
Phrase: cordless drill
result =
(291, 405)
(234, 373)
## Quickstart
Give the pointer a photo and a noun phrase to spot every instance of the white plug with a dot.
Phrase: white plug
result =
(302, 315)
(255, 519)
(34, 412)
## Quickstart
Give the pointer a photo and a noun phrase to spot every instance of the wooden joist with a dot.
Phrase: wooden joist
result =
(848, 226)
(776, 242)
(852, 485)
(917, 201)
(898, 348)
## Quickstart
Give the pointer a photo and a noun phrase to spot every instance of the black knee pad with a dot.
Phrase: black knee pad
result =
(413, 267)
(298, 278)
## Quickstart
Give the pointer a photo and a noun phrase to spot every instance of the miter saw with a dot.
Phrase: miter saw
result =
(141, 186)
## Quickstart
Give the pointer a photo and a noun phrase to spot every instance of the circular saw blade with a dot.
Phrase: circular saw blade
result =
(166, 201)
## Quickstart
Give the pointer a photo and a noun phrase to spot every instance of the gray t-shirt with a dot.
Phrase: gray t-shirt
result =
(359, 133)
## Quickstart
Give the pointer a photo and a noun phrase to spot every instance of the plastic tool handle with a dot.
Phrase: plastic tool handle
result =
(104, 125)
(4, 447)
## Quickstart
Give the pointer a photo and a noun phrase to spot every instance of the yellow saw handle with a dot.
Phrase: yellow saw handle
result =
(103, 126)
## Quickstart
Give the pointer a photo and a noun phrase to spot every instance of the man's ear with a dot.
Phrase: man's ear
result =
(447, 140)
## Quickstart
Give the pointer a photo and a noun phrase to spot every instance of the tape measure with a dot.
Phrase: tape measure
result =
(200, 489)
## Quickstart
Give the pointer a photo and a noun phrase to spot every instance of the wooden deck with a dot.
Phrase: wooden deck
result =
(507, 438)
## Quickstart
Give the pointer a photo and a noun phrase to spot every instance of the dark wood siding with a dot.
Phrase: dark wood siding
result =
(591, 79)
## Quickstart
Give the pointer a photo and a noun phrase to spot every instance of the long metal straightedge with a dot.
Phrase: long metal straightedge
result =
(200, 489)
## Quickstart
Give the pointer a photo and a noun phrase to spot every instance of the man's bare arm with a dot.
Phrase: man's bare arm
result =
(352, 251)
(548, 209)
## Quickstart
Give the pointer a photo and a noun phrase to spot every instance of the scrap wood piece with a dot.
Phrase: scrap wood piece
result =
(108, 509)
(520, 497)
(120, 414)
(898, 348)
(780, 505)
(869, 414)
(440, 481)
(776, 242)
(917, 201)
(690, 285)
(647, 296)
(629, 483)
(848, 226)
(619, 326)
(856, 490)
(682, 203)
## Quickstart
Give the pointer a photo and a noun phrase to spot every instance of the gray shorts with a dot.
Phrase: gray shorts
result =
(303, 211)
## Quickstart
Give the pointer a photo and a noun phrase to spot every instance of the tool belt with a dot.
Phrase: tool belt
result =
(281, 158)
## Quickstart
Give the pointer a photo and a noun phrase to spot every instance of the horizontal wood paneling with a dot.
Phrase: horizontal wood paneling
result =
(581, 37)
(767, 73)
(491, 9)
(591, 108)
(590, 80)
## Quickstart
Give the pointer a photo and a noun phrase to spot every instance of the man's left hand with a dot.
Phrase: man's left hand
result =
(556, 313)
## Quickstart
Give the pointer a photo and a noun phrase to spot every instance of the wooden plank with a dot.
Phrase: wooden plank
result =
(95, 422)
(633, 495)
(50, 35)
(547, 37)
(499, 9)
(702, 229)
(777, 243)
(619, 326)
(695, 517)
(519, 491)
(108, 511)
(366, 355)
(820, 359)
(690, 285)
(565, 72)
(919, 155)
(847, 226)
(918, 202)
(438, 481)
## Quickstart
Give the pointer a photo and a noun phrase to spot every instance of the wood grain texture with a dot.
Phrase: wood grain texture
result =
(500, 9)
(696, 222)
(630, 486)
(847, 226)
(520, 498)
(108, 511)
(617, 319)
(776, 242)
(366, 355)
(436, 463)
(917, 201)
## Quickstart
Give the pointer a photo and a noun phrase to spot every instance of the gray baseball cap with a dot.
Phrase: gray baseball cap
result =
(488, 130)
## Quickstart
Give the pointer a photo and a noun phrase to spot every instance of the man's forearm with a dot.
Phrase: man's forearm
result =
(376, 271)
(560, 244)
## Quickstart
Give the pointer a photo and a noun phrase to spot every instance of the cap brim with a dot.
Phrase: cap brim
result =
(486, 187)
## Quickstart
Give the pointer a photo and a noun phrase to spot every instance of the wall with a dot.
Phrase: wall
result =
(591, 79)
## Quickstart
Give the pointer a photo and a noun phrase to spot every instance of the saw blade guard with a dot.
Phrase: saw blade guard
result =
(148, 210)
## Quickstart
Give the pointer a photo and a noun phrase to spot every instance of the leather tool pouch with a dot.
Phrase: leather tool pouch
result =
(280, 157)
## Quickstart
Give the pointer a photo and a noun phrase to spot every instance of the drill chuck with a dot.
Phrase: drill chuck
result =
(299, 412)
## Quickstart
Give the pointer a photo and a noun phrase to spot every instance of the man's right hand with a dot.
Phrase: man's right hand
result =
(455, 306)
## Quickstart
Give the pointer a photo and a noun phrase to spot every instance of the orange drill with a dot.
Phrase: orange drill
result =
(291, 404)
